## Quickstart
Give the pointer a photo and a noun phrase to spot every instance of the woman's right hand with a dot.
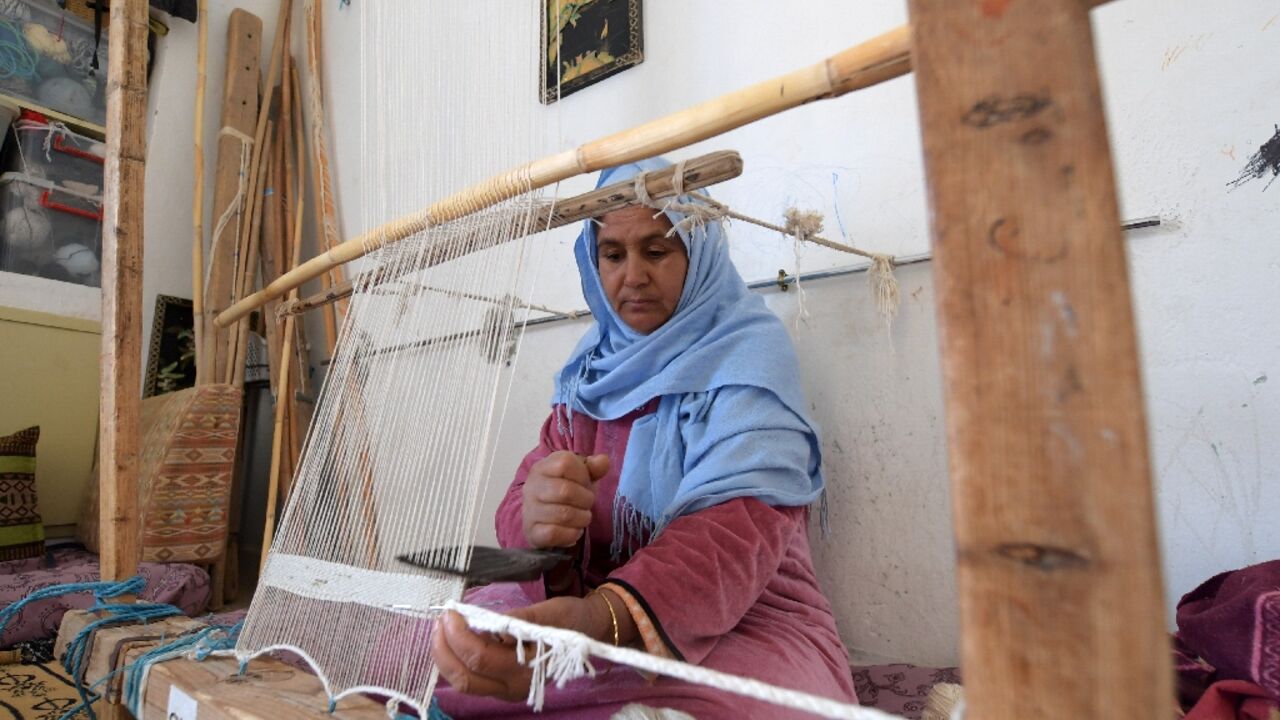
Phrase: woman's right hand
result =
(557, 498)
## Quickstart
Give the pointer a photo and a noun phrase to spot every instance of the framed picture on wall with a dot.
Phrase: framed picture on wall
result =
(586, 41)
(171, 357)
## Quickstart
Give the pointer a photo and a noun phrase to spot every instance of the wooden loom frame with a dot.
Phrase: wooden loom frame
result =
(1057, 562)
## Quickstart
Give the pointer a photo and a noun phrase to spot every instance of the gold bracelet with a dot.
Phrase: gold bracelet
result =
(612, 615)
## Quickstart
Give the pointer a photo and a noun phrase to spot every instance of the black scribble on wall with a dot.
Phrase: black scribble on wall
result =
(1265, 161)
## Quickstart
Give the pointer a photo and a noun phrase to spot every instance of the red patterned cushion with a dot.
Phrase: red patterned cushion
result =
(21, 529)
(188, 451)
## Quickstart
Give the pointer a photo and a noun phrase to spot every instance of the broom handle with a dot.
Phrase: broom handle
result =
(877, 60)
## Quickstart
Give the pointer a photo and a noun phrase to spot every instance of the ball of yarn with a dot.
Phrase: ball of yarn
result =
(67, 95)
(26, 228)
(76, 259)
(40, 39)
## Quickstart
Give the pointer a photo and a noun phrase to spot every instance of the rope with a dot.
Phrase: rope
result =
(804, 226)
(196, 646)
(563, 655)
(237, 201)
(102, 590)
(78, 649)
(16, 59)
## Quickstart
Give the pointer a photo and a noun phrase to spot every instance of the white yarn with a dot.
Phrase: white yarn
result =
(76, 259)
(563, 655)
(26, 228)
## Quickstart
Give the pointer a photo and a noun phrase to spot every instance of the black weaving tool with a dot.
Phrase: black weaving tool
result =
(487, 564)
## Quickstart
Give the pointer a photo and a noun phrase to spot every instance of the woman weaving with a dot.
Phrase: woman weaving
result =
(677, 466)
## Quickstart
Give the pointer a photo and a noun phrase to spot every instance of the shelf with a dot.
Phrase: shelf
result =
(82, 126)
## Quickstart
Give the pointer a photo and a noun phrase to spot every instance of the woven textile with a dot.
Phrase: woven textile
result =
(188, 453)
(21, 530)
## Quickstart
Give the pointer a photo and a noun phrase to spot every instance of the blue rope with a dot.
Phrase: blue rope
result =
(199, 644)
(101, 590)
(16, 58)
(112, 614)
(433, 713)
(78, 649)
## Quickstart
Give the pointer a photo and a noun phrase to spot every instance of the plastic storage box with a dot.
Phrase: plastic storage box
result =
(51, 151)
(47, 55)
(49, 231)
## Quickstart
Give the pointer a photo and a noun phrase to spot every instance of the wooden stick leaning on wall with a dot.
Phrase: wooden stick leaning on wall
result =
(251, 261)
(253, 194)
(875, 61)
(284, 441)
(301, 404)
(326, 211)
(1058, 562)
(298, 184)
(239, 108)
(197, 199)
(122, 247)
(272, 258)
(700, 172)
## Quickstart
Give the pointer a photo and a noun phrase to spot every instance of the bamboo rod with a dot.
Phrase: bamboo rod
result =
(699, 172)
(295, 417)
(251, 265)
(882, 58)
(277, 439)
(197, 198)
(272, 258)
(325, 209)
(284, 397)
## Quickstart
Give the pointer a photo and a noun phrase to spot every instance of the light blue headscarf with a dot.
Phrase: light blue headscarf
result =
(731, 418)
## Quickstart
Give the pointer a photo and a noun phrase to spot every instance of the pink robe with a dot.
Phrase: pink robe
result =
(731, 587)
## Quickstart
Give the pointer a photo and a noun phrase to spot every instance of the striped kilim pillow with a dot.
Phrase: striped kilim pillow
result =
(21, 530)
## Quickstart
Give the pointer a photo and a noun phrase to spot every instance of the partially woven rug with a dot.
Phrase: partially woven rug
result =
(36, 691)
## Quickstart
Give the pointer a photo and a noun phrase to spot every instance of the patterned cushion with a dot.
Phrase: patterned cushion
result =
(21, 530)
(187, 454)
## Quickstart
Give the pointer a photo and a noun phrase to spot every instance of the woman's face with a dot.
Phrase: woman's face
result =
(642, 269)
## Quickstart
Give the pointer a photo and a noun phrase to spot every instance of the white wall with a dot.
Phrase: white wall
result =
(1191, 92)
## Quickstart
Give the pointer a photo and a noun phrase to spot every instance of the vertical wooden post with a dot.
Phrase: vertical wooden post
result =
(1059, 570)
(121, 366)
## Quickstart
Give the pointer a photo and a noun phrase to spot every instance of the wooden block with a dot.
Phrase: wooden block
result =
(269, 689)
(108, 643)
(1058, 567)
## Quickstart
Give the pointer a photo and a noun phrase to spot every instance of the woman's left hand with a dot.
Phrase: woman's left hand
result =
(480, 664)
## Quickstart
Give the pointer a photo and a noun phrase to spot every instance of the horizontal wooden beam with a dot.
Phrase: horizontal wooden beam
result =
(698, 173)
